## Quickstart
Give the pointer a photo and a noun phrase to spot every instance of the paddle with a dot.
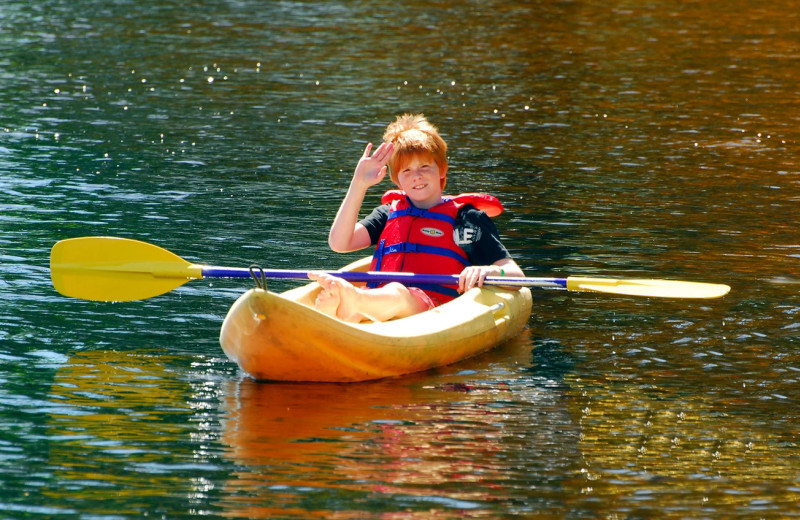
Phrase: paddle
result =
(121, 269)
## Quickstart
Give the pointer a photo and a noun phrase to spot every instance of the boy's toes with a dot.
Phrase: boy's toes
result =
(327, 302)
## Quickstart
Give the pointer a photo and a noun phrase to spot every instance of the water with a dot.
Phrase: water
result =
(654, 141)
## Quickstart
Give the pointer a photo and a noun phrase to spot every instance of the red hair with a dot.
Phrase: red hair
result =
(413, 135)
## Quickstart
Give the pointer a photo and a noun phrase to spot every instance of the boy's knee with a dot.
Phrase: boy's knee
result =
(396, 287)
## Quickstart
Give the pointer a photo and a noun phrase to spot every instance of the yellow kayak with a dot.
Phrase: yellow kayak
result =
(282, 337)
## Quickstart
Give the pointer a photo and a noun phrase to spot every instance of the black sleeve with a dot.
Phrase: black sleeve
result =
(478, 236)
(375, 222)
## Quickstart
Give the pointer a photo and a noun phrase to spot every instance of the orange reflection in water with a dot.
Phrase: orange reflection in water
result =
(378, 441)
(118, 424)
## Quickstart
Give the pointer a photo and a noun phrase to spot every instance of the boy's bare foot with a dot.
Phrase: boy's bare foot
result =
(327, 302)
(338, 298)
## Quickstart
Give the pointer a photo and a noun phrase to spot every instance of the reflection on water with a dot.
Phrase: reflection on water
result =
(111, 431)
(653, 140)
(414, 444)
(656, 436)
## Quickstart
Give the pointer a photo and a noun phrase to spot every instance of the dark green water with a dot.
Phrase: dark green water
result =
(655, 141)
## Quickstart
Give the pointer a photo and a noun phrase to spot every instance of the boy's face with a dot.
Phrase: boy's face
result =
(421, 178)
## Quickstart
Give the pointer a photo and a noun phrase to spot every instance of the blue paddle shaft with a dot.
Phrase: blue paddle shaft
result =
(382, 277)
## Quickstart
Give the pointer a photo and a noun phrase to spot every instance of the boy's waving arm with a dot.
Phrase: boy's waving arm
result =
(346, 233)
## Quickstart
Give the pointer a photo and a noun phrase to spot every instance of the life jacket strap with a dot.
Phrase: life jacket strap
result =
(417, 212)
(410, 247)
(378, 257)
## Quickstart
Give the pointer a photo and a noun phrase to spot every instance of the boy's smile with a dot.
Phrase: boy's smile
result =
(421, 178)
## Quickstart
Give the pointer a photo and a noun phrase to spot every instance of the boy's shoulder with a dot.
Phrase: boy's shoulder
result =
(482, 201)
(470, 216)
(468, 210)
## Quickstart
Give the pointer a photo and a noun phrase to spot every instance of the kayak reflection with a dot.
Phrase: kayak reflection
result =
(430, 441)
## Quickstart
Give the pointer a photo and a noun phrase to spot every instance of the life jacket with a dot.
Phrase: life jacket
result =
(418, 240)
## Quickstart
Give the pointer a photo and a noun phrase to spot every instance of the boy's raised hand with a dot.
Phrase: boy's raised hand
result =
(372, 169)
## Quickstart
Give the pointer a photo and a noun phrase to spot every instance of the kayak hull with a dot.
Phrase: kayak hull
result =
(281, 337)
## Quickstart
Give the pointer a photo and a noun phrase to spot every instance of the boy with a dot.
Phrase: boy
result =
(417, 231)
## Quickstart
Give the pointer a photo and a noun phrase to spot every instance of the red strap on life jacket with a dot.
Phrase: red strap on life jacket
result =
(482, 201)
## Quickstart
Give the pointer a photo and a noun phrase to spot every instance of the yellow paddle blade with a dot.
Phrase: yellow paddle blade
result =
(116, 269)
(654, 288)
